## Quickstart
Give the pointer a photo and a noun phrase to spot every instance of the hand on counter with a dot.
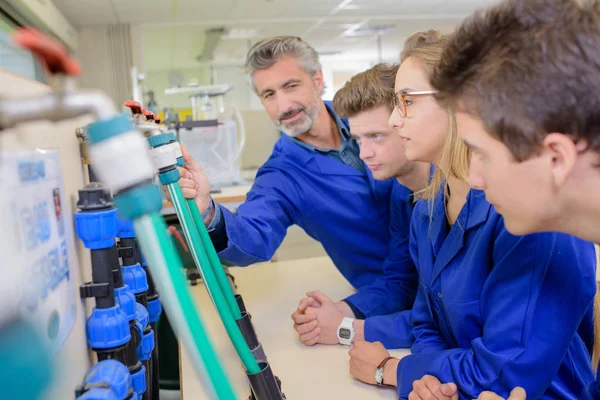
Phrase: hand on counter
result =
(429, 387)
(317, 319)
(307, 325)
(364, 359)
(516, 394)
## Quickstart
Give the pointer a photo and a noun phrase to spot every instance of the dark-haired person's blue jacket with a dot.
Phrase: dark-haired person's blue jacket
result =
(495, 311)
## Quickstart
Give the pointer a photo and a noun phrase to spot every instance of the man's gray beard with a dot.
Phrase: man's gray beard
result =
(304, 124)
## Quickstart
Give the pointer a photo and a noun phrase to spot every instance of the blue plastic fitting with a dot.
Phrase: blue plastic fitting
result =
(154, 310)
(141, 315)
(134, 276)
(125, 228)
(97, 229)
(125, 298)
(139, 381)
(144, 350)
(107, 328)
(115, 374)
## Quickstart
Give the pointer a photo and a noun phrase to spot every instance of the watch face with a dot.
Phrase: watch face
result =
(344, 333)
(379, 375)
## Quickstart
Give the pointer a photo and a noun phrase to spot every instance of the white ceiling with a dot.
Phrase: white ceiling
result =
(323, 23)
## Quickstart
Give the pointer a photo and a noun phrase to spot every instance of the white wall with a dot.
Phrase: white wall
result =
(106, 56)
(92, 56)
(241, 94)
(72, 360)
(158, 81)
(169, 51)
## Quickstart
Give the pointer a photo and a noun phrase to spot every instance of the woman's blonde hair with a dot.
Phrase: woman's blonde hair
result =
(426, 48)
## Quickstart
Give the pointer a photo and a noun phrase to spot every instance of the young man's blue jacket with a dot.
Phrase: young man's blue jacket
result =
(382, 302)
(494, 311)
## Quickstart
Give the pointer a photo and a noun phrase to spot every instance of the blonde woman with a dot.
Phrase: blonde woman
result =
(491, 307)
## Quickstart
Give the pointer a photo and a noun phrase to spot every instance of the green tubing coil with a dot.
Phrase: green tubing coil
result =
(213, 258)
(193, 238)
(165, 265)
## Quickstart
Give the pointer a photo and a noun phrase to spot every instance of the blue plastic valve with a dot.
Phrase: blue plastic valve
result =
(107, 328)
(115, 374)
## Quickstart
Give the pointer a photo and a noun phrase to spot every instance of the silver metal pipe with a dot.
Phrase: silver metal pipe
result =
(55, 106)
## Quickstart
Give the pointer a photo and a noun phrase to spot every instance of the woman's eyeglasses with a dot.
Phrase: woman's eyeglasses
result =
(400, 99)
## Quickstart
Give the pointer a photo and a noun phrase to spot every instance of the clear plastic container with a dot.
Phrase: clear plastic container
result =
(217, 150)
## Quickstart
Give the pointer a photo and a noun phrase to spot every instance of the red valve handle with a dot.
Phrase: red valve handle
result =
(134, 106)
(53, 55)
(149, 115)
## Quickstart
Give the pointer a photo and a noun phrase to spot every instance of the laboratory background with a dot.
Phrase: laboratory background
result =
(105, 260)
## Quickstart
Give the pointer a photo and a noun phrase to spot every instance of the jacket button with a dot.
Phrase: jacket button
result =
(440, 295)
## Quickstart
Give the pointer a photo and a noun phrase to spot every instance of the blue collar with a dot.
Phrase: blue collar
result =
(474, 212)
(446, 245)
(290, 146)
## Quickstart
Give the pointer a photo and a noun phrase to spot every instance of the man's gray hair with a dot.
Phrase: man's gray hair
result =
(268, 51)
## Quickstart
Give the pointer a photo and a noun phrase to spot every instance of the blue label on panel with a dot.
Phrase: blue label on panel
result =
(42, 219)
(31, 171)
(29, 228)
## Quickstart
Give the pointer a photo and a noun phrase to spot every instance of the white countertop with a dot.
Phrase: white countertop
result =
(271, 292)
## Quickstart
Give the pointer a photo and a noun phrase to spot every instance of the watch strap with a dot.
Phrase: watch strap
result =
(380, 366)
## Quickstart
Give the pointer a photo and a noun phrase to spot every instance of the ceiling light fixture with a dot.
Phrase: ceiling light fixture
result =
(242, 33)
(360, 30)
(350, 31)
(341, 6)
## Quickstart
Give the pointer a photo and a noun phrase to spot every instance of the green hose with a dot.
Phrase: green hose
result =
(213, 258)
(191, 234)
(166, 267)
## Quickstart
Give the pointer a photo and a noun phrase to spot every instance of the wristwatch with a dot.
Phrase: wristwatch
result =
(345, 331)
(379, 372)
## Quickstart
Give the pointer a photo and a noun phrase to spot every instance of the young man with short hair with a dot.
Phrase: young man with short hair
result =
(367, 101)
(524, 77)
